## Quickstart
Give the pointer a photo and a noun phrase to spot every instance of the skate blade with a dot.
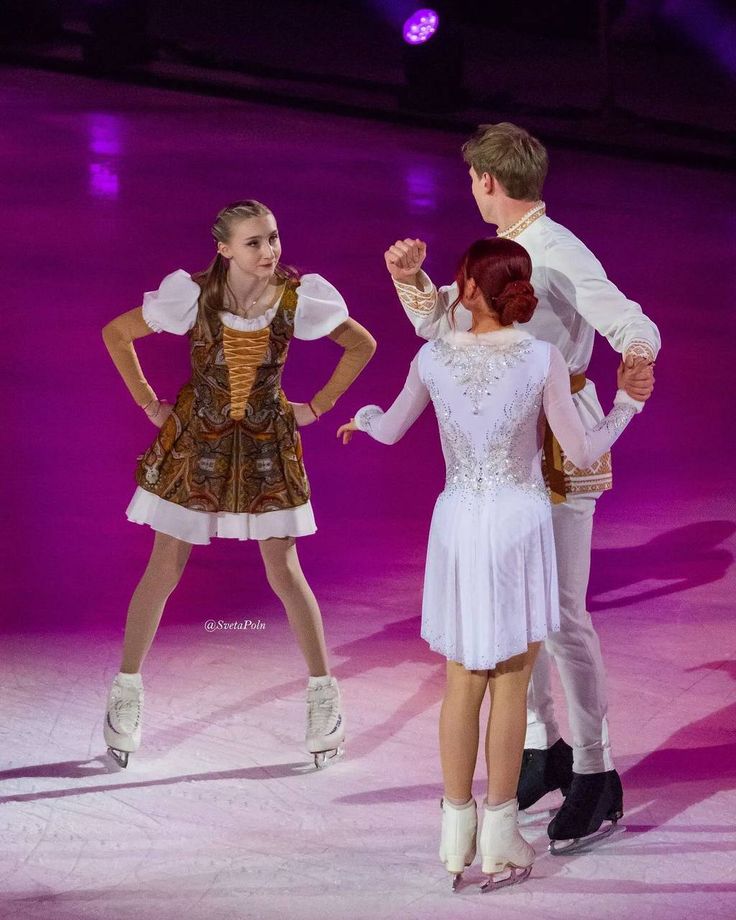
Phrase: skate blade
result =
(458, 876)
(323, 759)
(516, 877)
(580, 844)
(120, 757)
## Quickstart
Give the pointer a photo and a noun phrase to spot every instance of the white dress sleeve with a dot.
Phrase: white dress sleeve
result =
(173, 307)
(582, 445)
(426, 306)
(320, 308)
(574, 274)
(389, 427)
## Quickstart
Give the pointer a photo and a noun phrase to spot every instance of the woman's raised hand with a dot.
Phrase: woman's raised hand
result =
(404, 259)
(347, 431)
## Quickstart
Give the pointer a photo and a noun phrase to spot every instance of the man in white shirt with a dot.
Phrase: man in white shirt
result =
(507, 167)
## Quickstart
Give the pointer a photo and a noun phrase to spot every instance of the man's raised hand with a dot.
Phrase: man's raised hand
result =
(404, 259)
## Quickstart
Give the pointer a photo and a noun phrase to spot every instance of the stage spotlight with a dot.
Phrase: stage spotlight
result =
(433, 64)
(420, 27)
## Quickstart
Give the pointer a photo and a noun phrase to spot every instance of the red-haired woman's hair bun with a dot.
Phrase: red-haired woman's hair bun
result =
(502, 269)
(515, 303)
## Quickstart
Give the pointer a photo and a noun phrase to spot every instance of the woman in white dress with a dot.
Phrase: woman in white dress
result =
(490, 589)
(227, 460)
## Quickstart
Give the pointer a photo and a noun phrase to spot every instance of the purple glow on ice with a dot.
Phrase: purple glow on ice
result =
(421, 26)
(105, 146)
(103, 181)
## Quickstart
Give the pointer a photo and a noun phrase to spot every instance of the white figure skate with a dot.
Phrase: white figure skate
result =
(457, 843)
(506, 857)
(325, 722)
(123, 718)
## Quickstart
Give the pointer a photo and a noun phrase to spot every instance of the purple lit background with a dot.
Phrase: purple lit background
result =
(109, 187)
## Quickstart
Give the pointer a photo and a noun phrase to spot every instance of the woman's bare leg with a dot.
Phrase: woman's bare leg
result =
(459, 730)
(288, 583)
(506, 731)
(168, 559)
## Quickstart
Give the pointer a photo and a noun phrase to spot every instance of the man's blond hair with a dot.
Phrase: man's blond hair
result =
(512, 156)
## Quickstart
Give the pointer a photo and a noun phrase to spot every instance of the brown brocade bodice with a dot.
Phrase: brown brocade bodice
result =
(231, 443)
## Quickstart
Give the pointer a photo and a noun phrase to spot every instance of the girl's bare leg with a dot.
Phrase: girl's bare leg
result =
(288, 583)
(506, 731)
(168, 559)
(459, 730)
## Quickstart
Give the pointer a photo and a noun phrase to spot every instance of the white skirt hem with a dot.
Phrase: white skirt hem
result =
(198, 527)
(488, 663)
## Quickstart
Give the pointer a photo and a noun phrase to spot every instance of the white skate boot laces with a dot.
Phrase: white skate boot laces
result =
(124, 712)
(323, 711)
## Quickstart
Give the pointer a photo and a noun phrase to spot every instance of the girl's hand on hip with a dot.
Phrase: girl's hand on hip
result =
(347, 431)
(158, 410)
(303, 414)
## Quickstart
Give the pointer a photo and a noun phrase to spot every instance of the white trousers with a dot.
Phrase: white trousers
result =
(575, 648)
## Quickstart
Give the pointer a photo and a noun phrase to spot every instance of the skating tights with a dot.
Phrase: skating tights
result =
(162, 575)
(288, 583)
(504, 735)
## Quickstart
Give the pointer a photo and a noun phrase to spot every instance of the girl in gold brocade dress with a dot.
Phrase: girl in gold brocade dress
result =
(227, 460)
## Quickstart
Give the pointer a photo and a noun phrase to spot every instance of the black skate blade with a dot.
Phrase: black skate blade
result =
(323, 759)
(120, 757)
(580, 844)
(516, 877)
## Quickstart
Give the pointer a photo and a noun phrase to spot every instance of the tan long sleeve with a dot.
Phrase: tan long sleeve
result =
(118, 336)
(358, 345)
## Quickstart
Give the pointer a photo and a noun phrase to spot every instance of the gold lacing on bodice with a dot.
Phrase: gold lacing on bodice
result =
(244, 354)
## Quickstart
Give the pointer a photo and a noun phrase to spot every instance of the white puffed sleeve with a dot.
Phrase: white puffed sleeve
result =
(173, 307)
(320, 308)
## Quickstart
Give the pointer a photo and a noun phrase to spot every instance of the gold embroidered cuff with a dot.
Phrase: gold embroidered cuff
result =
(420, 303)
(640, 349)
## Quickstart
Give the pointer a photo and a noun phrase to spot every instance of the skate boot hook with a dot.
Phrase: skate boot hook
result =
(593, 799)
(122, 728)
(457, 842)
(506, 857)
(325, 722)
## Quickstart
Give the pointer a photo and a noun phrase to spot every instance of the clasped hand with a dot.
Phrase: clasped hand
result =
(636, 376)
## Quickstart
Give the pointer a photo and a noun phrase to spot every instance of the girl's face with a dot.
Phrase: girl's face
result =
(254, 247)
